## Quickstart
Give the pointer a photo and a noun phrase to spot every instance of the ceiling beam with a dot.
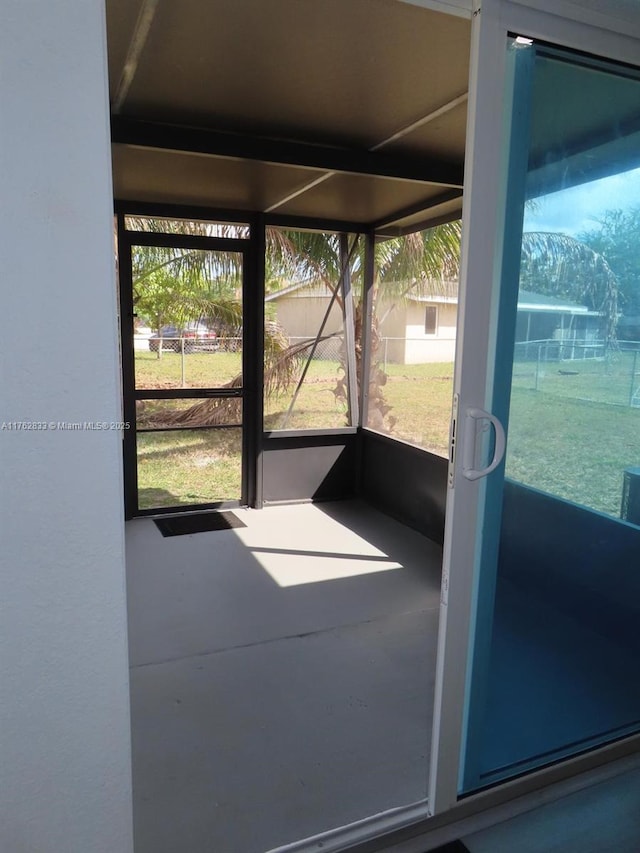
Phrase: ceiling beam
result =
(169, 137)
(404, 131)
(419, 207)
(428, 221)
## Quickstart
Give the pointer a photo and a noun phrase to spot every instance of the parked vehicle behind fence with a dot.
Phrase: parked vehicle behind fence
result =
(193, 337)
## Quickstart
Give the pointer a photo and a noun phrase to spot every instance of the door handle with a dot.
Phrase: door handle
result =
(470, 435)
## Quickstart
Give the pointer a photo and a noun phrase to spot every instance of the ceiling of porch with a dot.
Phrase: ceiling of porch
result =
(353, 110)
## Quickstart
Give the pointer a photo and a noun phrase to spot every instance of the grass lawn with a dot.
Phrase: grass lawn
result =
(188, 467)
(316, 406)
(201, 369)
(612, 380)
(572, 448)
(203, 466)
(420, 397)
(576, 434)
(558, 441)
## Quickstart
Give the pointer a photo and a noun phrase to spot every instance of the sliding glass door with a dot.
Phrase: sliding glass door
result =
(555, 662)
(541, 590)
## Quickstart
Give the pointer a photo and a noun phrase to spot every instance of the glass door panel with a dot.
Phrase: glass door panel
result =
(555, 643)
(187, 371)
(188, 331)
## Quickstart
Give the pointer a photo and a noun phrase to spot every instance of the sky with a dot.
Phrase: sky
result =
(579, 208)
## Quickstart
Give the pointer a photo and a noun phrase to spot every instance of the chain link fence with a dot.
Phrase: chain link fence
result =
(327, 349)
(187, 345)
(415, 350)
(390, 350)
(585, 370)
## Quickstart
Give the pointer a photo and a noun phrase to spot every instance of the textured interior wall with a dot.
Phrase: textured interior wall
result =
(64, 706)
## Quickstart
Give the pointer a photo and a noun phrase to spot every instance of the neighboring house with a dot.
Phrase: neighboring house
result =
(300, 311)
(423, 328)
(544, 318)
(412, 329)
(418, 329)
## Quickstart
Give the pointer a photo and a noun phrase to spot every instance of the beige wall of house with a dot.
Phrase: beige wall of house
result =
(403, 337)
(421, 347)
(300, 316)
(401, 326)
(391, 330)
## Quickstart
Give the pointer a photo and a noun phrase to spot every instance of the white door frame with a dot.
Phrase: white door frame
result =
(483, 218)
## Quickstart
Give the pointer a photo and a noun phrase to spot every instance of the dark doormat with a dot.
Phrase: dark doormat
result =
(202, 522)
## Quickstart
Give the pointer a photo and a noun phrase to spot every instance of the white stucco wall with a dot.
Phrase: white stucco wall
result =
(422, 348)
(403, 339)
(64, 717)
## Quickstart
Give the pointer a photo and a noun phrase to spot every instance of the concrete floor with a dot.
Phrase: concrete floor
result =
(281, 675)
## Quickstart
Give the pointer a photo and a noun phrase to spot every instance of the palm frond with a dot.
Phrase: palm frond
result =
(283, 366)
(565, 267)
(425, 263)
(194, 227)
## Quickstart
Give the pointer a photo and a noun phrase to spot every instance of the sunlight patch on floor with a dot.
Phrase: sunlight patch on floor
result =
(310, 548)
(295, 568)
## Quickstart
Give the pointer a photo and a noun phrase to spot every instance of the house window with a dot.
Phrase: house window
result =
(431, 320)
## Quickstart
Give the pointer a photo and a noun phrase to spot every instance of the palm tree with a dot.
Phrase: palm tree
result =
(562, 266)
(413, 265)
(417, 264)
(177, 285)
